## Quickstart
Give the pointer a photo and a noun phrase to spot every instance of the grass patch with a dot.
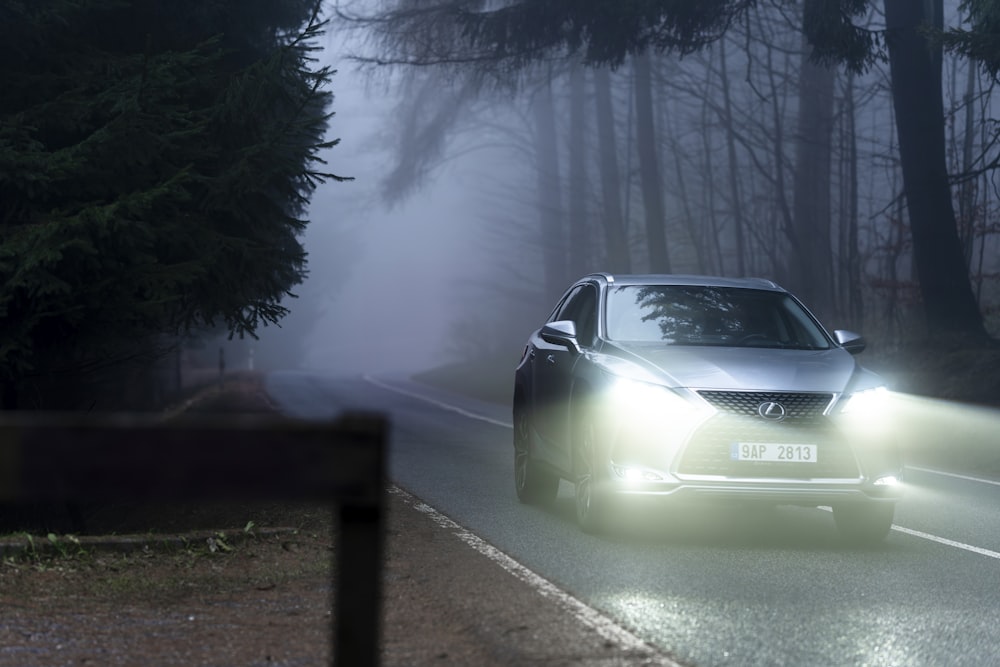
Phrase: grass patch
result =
(168, 576)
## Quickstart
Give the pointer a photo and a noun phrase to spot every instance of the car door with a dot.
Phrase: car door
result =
(555, 369)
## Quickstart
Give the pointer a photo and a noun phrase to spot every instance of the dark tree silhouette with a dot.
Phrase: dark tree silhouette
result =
(156, 159)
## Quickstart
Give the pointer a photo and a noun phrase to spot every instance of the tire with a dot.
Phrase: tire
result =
(591, 504)
(534, 485)
(864, 523)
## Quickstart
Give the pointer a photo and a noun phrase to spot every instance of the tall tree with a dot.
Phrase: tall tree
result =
(851, 302)
(579, 224)
(649, 167)
(732, 167)
(553, 235)
(615, 237)
(156, 159)
(915, 64)
(812, 250)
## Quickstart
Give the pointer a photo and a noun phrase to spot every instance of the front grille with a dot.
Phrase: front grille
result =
(798, 405)
(709, 452)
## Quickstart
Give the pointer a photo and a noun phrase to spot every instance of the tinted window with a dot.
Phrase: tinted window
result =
(563, 310)
(696, 315)
(581, 307)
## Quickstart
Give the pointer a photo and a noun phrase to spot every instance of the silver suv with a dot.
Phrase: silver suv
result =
(701, 388)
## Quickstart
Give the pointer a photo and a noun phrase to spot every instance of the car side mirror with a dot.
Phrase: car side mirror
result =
(561, 332)
(854, 343)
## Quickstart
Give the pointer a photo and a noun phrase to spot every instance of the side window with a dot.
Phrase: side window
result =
(564, 311)
(586, 316)
(581, 307)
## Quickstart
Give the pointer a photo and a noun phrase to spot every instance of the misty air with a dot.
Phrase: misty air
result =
(499, 332)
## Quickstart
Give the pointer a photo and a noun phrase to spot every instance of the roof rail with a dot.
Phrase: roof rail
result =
(601, 274)
(766, 281)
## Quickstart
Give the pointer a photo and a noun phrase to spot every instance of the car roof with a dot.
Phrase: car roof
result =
(686, 279)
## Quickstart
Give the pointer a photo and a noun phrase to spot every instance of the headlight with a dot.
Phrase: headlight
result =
(651, 401)
(652, 421)
(866, 402)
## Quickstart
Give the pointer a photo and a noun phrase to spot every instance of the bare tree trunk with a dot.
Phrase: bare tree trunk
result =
(734, 181)
(852, 302)
(695, 229)
(649, 168)
(717, 260)
(812, 250)
(967, 192)
(775, 247)
(618, 259)
(549, 200)
(579, 225)
(915, 65)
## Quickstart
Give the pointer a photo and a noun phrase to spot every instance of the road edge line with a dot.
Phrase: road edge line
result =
(441, 404)
(588, 616)
(954, 475)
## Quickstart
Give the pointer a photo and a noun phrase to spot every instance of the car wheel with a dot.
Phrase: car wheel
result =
(864, 523)
(533, 484)
(591, 504)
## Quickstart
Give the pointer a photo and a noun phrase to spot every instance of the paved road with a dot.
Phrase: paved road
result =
(713, 588)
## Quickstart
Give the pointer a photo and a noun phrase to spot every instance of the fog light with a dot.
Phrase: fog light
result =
(633, 474)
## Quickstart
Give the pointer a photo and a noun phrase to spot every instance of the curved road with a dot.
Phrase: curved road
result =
(707, 587)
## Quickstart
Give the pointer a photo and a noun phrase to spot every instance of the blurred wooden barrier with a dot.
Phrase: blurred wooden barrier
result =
(132, 458)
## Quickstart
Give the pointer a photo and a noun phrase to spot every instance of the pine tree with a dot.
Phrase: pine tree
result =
(156, 159)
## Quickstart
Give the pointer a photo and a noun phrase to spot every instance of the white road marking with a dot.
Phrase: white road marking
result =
(588, 616)
(440, 404)
(935, 538)
(967, 478)
(947, 542)
(901, 529)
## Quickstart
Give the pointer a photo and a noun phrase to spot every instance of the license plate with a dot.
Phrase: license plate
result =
(772, 452)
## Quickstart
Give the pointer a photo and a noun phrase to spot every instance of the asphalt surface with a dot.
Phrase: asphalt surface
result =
(720, 587)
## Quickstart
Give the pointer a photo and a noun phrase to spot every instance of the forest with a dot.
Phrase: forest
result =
(845, 149)
(157, 160)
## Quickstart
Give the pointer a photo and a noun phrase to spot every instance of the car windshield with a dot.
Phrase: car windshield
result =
(704, 315)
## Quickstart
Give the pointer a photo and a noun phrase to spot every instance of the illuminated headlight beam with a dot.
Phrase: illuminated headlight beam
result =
(650, 401)
(867, 401)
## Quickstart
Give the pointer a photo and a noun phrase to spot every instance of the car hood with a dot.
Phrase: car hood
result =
(759, 369)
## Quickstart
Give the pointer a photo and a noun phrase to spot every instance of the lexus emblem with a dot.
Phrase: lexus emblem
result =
(771, 411)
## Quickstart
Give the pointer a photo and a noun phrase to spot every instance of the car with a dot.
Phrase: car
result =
(698, 388)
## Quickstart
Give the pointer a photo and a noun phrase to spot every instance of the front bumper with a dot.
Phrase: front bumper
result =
(799, 492)
(850, 465)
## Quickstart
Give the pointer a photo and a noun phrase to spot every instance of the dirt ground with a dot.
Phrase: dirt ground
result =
(247, 585)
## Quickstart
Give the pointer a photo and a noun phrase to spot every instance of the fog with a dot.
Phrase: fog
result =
(457, 267)
(387, 284)
(392, 300)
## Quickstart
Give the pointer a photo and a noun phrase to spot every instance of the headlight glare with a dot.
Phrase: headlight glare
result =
(866, 402)
(646, 401)
(645, 398)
